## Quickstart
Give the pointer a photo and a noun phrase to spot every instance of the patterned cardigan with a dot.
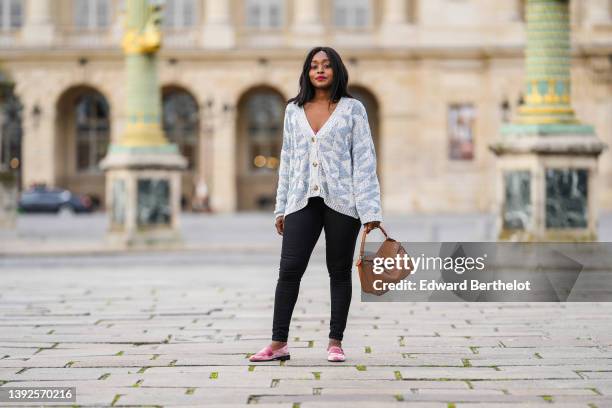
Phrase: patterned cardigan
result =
(343, 147)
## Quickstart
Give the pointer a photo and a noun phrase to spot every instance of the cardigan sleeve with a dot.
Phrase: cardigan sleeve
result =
(284, 167)
(366, 187)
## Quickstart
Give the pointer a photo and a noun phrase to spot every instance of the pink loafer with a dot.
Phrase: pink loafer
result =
(267, 354)
(335, 353)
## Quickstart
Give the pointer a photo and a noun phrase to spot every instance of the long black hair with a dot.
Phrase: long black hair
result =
(339, 82)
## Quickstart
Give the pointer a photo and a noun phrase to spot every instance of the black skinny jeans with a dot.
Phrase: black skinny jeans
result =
(301, 232)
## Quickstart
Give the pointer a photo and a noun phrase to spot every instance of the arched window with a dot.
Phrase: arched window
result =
(181, 123)
(264, 13)
(264, 127)
(92, 121)
(11, 14)
(10, 128)
(179, 13)
(91, 14)
(352, 13)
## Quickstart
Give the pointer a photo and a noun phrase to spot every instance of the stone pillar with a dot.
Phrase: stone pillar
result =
(307, 16)
(395, 12)
(307, 25)
(547, 159)
(143, 170)
(39, 26)
(395, 26)
(597, 12)
(218, 31)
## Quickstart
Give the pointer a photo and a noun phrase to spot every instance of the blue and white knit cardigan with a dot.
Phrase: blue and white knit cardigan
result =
(345, 151)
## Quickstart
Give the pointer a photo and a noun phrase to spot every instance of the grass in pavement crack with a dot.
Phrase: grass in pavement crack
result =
(595, 390)
(117, 396)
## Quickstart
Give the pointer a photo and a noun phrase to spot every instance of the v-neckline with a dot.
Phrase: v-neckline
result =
(329, 119)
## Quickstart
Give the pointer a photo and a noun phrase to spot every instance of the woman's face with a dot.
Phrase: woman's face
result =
(321, 73)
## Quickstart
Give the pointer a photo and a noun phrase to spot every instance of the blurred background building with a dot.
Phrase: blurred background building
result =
(438, 78)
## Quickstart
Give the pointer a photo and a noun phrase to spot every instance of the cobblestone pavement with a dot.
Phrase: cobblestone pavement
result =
(176, 330)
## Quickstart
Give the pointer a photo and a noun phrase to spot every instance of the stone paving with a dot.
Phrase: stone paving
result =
(175, 329)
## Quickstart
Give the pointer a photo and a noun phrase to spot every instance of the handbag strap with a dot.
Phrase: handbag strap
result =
(363, 239)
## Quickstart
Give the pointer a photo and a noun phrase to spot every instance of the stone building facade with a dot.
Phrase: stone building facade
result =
(438, 77)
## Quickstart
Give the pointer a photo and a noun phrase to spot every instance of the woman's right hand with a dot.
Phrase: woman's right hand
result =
(280, 224)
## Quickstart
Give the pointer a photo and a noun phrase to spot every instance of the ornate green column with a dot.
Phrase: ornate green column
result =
(141, 41)
(547, 159)
(142, 167)
(547, 64)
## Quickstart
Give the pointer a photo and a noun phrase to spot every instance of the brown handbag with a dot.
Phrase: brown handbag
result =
(390, 248)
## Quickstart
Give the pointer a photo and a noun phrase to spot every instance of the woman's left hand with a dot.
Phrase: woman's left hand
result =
(369, 226)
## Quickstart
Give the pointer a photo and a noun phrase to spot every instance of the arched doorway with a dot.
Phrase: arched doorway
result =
(371, 105)
(83, 135)
(11, 130)
(260, 137)
(181, 124)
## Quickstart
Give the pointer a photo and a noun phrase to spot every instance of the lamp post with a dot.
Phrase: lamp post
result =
(547, 159)
(142, 167)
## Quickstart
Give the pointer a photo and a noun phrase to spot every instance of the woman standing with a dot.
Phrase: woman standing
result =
(327, 180)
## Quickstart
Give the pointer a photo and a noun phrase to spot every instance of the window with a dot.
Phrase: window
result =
(352, 13)
(264, 128)
(11, 14)
(11, 112)
(92, 122)
(461, 119)
(179, 13)
(264, 13)
(181, 123)
(91, 14)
